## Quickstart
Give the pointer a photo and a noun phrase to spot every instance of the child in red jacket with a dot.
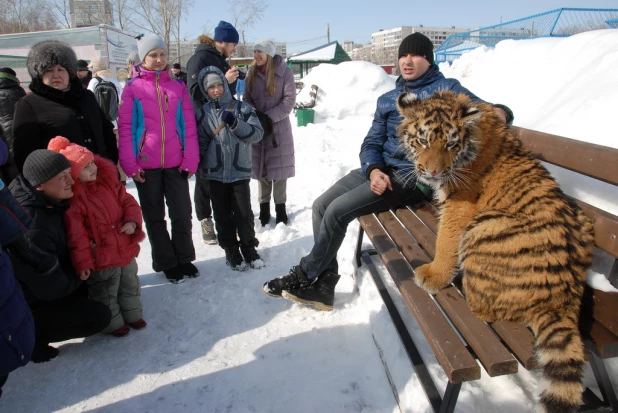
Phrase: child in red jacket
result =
(104, 227)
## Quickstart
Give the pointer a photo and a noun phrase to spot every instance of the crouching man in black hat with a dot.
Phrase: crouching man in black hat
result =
(58, 299)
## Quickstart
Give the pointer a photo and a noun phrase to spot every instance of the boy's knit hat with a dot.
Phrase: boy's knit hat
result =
(48, 53)
(212, 79)
(42, 165)
(77, 155)
(225, 32)
(149, 42)
(418, 44)
(267, 46)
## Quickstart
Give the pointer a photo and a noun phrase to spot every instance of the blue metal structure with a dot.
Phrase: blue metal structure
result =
(555, 23)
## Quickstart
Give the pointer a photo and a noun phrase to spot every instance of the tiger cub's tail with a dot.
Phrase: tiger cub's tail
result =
(560, 352)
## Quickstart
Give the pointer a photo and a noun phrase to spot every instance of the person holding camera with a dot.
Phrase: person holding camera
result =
(159, 150)
(210, 52)
(271, 90)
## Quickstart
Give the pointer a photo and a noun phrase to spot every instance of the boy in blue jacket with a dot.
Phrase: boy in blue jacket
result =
(227, 128)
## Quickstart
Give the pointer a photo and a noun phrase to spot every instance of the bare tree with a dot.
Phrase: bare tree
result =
(62, 11)
(184, 6)
(20, 16)
(158, 16)
(245, 14)
(123, 15)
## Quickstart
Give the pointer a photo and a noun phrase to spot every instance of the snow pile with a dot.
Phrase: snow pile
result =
(346, 89)
(564, 86)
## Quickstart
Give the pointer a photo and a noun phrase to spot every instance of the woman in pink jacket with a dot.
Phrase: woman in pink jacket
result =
(158, 148)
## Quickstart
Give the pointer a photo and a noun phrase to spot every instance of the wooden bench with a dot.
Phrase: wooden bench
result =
(404, 238)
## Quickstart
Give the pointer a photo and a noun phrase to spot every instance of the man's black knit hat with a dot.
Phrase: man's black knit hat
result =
(418, 44)
(42, 165)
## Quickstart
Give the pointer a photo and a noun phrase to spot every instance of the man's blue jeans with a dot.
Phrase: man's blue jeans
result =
(348, 199)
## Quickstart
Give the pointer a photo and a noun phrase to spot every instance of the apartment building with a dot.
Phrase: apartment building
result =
(86, 13)
(349, 47)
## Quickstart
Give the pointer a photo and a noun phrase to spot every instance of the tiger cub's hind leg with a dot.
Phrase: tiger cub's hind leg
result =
(479, 299)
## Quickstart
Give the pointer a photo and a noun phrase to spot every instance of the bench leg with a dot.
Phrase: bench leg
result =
(450, 397)
(439, 405)
(605, 385)
(359, 243)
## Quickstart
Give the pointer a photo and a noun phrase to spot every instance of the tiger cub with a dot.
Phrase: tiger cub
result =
(523, 248)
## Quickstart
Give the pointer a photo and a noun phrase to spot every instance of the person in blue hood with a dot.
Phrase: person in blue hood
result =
(378, 185)
(227, 128)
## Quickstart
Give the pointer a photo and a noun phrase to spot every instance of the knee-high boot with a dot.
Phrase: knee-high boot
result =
(264, 213)
(282, 216)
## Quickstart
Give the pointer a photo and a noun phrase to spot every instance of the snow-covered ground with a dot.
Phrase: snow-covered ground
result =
(218, 344)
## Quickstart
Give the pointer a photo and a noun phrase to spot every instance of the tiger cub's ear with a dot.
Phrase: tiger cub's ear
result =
(406, 102)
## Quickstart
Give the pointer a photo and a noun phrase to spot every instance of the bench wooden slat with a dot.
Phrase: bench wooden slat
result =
(605, 228)
(456, 361)
(427, 213)
(496, 359)
(605, 343)
(595, 161)
(412, 251)
(425, 236)
(604, 310)
(520, 340)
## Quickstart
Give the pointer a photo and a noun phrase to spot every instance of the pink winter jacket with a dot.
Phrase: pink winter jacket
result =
(156, 124)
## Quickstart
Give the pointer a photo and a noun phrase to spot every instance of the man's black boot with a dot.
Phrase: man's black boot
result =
(295, 279)
(264, 213)
(320, 294)
(282, 216)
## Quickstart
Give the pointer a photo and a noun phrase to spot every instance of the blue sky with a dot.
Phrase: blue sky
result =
(297, 21)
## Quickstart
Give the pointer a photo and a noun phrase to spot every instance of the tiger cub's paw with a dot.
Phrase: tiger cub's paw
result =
(430, 279)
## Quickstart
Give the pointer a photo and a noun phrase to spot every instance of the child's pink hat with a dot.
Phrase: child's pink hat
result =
(77, 155)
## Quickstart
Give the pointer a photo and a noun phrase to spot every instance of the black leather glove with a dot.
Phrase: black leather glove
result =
(266, 122)
(229, 118)
(29, 254)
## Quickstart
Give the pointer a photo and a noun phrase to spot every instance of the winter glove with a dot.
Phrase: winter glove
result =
(31, 255)
(229, 118)
(266, 122)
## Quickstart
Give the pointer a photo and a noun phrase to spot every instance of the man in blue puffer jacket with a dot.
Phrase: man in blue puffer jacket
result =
(381, 182)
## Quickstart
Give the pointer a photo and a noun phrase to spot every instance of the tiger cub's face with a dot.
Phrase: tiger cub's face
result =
(434, 135)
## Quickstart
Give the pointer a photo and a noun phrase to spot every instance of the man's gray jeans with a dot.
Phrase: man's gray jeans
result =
(348, 199)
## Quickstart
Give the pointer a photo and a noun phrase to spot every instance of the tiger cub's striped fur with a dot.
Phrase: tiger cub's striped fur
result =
(523, 248)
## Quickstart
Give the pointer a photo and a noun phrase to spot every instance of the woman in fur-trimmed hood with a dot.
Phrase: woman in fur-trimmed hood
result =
(59, 105)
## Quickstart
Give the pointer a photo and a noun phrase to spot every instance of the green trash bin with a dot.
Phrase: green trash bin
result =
(304, 116)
